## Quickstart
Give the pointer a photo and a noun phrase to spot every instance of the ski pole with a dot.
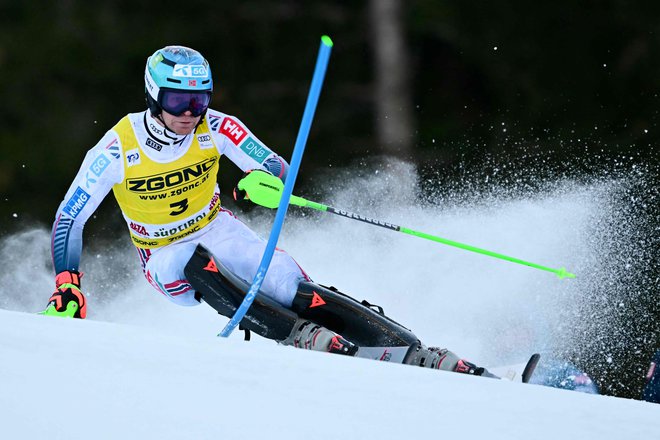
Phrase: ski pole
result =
(285, 193)
(265, 190)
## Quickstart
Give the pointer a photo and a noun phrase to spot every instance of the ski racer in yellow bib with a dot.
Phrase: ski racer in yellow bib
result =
(162, 166)
(164, 202)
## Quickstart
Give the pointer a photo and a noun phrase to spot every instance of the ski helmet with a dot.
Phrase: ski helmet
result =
(177, 79)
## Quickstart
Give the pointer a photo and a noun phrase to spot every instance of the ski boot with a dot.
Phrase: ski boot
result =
(442, 359)
(310, 336)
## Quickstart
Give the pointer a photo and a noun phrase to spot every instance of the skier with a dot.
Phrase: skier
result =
(162, 166)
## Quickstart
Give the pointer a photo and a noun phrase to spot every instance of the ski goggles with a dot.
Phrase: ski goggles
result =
(176, 102)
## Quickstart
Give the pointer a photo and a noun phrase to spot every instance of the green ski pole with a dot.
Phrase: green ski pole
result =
(265, 190)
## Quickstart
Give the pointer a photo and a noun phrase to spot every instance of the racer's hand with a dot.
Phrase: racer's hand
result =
(68, 277)
(239, 193)
(67, 300)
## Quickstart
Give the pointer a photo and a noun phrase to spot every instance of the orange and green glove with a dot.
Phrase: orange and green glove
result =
(67, 301)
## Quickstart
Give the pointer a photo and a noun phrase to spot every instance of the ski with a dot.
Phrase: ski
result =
(530, 367)
(518, 372)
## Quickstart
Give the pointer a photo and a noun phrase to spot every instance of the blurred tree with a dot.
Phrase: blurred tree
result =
(393, 98)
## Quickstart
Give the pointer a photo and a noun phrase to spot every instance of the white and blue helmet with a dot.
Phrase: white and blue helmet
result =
(177, 79)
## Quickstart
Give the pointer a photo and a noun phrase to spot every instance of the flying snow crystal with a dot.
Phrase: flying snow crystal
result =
(492, 311)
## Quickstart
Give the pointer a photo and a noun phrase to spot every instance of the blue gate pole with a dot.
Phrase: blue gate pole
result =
(298, 150)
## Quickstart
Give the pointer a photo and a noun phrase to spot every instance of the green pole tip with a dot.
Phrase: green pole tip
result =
(563, 273)
(327, 40)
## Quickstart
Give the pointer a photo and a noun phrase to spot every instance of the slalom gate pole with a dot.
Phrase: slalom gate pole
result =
(264, 189)
(298, 150)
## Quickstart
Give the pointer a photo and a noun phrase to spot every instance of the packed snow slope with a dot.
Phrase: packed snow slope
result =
(71, 379)
(141, 367)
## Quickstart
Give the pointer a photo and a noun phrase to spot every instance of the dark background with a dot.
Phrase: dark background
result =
(479, 83)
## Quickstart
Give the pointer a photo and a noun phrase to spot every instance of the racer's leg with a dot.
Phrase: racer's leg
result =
(224, 291)
(233, 243)
(164, 271)
(378, 336)
(240, 249)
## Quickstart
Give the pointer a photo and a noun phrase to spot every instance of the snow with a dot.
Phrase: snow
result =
(140, 367)
(70, 379)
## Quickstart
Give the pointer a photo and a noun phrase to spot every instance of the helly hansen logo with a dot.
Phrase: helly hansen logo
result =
(233, 130)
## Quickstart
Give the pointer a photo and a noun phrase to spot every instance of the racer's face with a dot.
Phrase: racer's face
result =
(183, 124)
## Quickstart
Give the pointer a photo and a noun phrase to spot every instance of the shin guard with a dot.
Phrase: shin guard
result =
(376, 335)
(224, 291)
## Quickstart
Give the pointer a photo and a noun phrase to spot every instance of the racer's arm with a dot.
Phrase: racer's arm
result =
(101, 169)
(241, 146)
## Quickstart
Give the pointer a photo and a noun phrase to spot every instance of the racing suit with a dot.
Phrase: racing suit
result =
(166, 187)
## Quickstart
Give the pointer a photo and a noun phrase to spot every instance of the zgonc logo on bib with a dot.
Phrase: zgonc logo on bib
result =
(172, 179)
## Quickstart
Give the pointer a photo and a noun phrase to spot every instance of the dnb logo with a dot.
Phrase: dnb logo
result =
(76, 203)
(255, 150)
(191, 175)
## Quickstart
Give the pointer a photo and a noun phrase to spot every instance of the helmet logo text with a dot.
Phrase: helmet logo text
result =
(190, 71)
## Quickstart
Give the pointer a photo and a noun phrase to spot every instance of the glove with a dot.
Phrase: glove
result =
(67, 300)
(68, 277)
(241, 194)
(260, 187)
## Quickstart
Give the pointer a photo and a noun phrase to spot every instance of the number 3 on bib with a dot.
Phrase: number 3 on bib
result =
(182, 206)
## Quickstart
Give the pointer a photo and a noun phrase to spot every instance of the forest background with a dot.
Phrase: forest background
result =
(455, 87)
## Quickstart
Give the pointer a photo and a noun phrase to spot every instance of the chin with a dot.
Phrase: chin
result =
(186, 129)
